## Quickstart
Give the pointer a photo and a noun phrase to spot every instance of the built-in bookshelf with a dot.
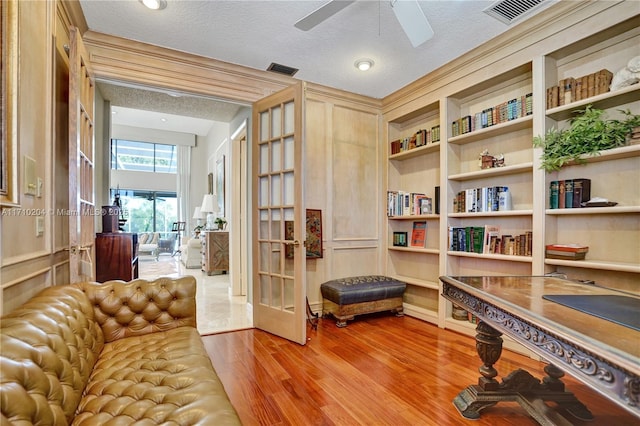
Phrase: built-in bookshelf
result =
(611, 233)
(473, 185)
(476, 152)
(414, 168)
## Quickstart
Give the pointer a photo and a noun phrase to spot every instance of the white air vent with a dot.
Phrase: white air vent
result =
(509, 10)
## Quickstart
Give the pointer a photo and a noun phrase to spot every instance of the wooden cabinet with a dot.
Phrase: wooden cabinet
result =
(215, 252)
(116, 256)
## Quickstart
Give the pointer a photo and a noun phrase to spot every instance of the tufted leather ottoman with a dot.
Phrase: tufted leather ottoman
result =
(345, 298)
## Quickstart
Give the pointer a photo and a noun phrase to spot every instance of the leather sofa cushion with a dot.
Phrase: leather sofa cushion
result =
(366, 288)
(161, 378)
(48, 348)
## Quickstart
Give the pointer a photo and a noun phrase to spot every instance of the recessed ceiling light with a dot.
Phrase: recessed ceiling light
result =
(364, 64)
(154, 4)
(164, 120)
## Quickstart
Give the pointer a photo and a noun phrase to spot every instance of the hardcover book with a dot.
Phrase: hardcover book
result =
(568, 193)
(566, 251)
(553, 194)
(419, 234)
(581, 191)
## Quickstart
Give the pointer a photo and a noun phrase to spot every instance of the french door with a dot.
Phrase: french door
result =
(279, 285)
(81, 162)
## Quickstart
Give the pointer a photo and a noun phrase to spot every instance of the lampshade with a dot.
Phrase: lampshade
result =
(197, 214)
(209, 204)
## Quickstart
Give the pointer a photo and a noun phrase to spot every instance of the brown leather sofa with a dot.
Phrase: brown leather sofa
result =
(114, 353)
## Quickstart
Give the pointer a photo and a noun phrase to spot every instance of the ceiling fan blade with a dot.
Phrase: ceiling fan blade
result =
(412, 20)
(320, 14)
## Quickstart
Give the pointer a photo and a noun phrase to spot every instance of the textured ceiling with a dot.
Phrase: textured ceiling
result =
(257, 33)
(142, 107)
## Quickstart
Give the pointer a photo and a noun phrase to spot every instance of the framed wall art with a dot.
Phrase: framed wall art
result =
(314, 235)
(9, 102)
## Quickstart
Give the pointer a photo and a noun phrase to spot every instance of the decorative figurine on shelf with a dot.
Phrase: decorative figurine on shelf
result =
(487, 161)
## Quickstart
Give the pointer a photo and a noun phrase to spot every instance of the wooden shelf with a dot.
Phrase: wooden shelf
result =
(415, 152)
(415, 250)
(492, 131)
(596, 264)
(415, 217)
(495, 171)
(603, 101)
(505, 257)
(418, 282)
(493, 214)
(594, 210)
(623, 152)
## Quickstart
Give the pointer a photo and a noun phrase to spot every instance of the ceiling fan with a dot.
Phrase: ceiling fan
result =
(408, 12)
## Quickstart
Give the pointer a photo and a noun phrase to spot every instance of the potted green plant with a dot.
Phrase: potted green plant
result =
(220, 222)
(198, 229)
(588, 134)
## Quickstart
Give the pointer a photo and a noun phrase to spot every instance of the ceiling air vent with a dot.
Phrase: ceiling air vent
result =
(509, 10)
(282, 69)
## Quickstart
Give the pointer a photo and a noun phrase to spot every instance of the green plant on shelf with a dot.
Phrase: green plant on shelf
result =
(220, 222)
(588, 134)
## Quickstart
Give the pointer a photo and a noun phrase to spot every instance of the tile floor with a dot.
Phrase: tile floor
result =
(217, 310)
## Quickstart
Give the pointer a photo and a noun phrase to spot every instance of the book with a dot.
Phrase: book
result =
(581, 191)
(491, 234)
(566, 251)
(568, 193)
(437, 197)
(426, 205)
(561, 196)
(553, 194)
(567, 248)
(419, 234)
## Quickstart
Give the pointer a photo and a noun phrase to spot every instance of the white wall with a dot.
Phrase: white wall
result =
(203, 159)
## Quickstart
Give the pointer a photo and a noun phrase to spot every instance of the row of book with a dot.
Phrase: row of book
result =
(569, 193)
(401, 203)
(480, 200)
(420, 138)
(487, 240)
(575, 89)
(501, 113)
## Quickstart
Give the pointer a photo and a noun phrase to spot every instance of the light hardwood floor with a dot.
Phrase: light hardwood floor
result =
(380, 370)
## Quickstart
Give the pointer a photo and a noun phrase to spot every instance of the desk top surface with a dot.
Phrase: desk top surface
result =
(522, 296)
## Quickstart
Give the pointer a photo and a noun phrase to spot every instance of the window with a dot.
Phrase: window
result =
(148, 211)
(143, 156)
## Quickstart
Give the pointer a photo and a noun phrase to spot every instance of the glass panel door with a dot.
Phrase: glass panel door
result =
(279, 285)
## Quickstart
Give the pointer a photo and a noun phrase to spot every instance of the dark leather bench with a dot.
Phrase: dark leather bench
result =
(345, 298)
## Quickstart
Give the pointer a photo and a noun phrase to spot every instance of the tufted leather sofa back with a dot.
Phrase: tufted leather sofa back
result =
(126, 309)
(48, 348)
(50, 345)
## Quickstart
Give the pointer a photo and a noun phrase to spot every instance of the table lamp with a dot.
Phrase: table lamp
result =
(210, 207)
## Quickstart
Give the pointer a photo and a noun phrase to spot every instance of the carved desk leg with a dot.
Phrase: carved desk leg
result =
(566, 400)
(473, 399)
(518, 386)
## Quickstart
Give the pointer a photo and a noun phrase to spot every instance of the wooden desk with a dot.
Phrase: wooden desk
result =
(600, 353)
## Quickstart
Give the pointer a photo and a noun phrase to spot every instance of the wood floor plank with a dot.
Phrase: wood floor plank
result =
(380, 370)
